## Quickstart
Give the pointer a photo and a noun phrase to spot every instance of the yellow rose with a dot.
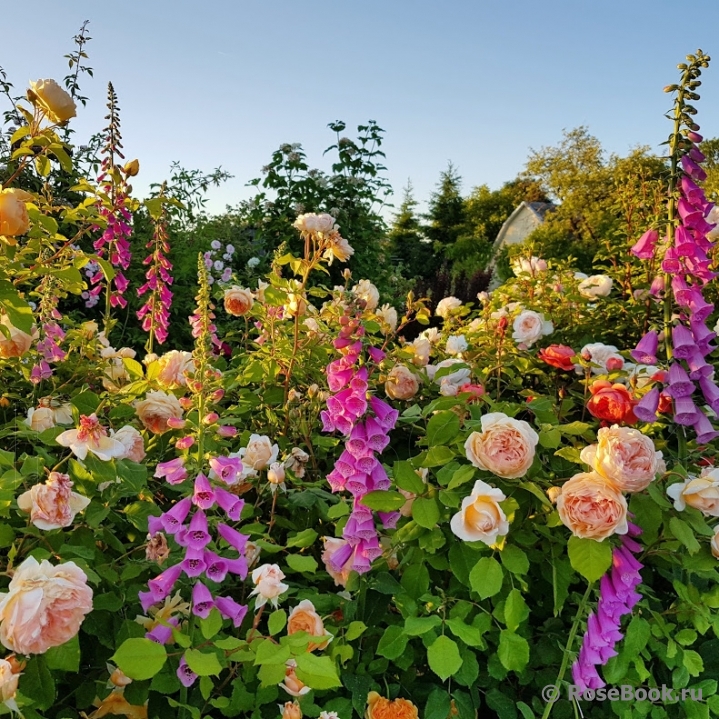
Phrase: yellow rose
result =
(380, 708)
(57, 104)
(14, 219)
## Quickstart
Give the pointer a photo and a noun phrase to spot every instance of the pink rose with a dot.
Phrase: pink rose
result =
(92, 437)
(44, 606)
(481, 519)
(174, 366)
(52, 505)
(401, 383)
(592, 507)
(133, 443)
(624, 456)
(505, 446)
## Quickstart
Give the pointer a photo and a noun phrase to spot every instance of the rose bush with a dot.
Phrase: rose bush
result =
(305, 509)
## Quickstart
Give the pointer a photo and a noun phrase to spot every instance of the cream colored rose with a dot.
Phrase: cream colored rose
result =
(41, 418)
(702, 493)
(599, 354)
(9, 677)
(44, 606)
(304, 618)
(447, 306)
(338, 248)
(421, 348)
(57, 104)
(457, 378)
(17, 344)
(365, 290)
(505, 446)
(591, 507)
(481, 519)
(14, 219)
(174, 366)
(595, 286)
(268, 584)
(238, 301)
(624, 456)
(388, 316)
(156, 409)
(401, 383)
(529, 326)
(63, 412)
(133, 443)
(259, 454)
(296, 304)
(52, 505)
(456, 344)
(715, 542)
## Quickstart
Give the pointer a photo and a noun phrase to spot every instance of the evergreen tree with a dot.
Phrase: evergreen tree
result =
(407, 243)
(446, 214)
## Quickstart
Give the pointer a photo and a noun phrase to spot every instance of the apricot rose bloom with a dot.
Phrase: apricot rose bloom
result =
(481, 519)
(259, 454)
(611, 402)
(14, 219)
(624, 456)
(52, 505)
(380, 708)
(40, 418)
(292, 684)
(238, 301)
(591, 507)
(291, 710)
(156, 409)
(401, 383)
(268, 584)
(174, 366)
(17, 344)
(701, 493)
(304, 618)
(505, 446)
(57, 104)
(9, 677)
(44, 606)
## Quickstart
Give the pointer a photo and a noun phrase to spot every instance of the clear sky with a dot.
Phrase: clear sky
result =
(477, 82)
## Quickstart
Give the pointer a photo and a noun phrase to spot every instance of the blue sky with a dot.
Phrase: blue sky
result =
(477, 82)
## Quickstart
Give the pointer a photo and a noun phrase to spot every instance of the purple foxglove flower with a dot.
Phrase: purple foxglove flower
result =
(186, 676)
(193, 565)
(694, 136)
(230, 609)
(154, 525)
(646, 410)
(696, 154)
(698, 366)
(386, 415)
(646, 349)
(389, 519)
(682, 341)
(147, 599)
(679, 383)
(704, 430)
(230, 503)
(685, 411)
(377, 437)
(702, 334)
(709, 390)
(657, 287)
(338, 379)
(380, 480)
(237, 566)
(684, 242)
(345, 465)
(340, 557)
(227, 469)
(232, 537)
(357, 441)
(202, 601)
(215, 567)
(328, 424)
(203, 496)
(376, 354)
(197, 535)
(337, 481)
(692, 169)
(356, 485)
(163, 583)
(691, 191)
(360, 525)
(671, 263)
(163, 634)
(343, 424)
(700, 308)
(173, 471)
(645, 245)
(366, 464)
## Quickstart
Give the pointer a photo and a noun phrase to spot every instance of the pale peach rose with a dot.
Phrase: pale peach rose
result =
(447, 306)
(388, 316)
(91, 436)
(332, 546)
(595, 286)
(421, 348)
(600, 355)
(304, 618)
(52, 505)
(292, 685)
(702, 493)
(291, 710)
(156, 409)
(401, 383)
(132, 441)
(17, 344)
(715, 542)
(63, 412)
(40, 418)
(14, 219)
(337, 248)
(268, 584)
(505, 446)
(174, 366)
(259, 454)
(591, 507)
(624, 456)
(365, 290)
(238, 301)
(380, 708)
(55, 102)
(529, 326)
(44, 606)
(9, 677)
(276, 476)
(312, 222)
(481, 519)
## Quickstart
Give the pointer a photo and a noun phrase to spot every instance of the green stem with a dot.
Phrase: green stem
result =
(568, 648)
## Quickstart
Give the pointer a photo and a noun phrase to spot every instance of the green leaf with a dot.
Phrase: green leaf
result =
(442, 428)
(468, 633)
(106, 267)
(443, 657)
(211, 624)
(18, 311)
(416, 626)
(42, 165)
(515, 610)
(86, 402)
(277, 622)
(302, 539)
(437, 456)
(392, 643)
(37, 683)
(301, 563)
(405, 477)
(684, 533)
(425, 512)
(514, 559)
(140, 658)
(589, 557)
(355, 630)
(7, 536)
(550, 438)
(693, 662)
(571, 454)
(415, 580)
(438, 705)
(486, 577)
(203, 664)
(271, 653)
(383, 501)
(317, 672)
(513, 651)
(461, 476)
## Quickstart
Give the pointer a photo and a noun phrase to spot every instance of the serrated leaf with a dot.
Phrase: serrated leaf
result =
(383, 501)
(589, 557)
(442, 428)
(140, 658)
(486, 577)
(443, 657)
(513, 651)
(684, 533)
(425, 512)
(202, 663)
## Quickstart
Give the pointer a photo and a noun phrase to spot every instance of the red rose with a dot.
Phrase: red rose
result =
(611, 402)
(558, 356)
